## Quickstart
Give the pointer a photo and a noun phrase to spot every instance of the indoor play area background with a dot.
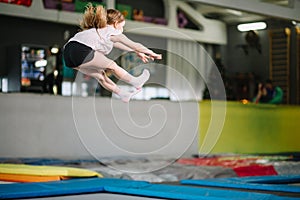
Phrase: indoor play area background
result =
(226, 145)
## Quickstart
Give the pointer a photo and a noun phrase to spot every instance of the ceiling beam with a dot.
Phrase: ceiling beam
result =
(291, 12)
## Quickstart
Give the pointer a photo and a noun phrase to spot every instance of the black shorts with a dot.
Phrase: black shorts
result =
(76, 54)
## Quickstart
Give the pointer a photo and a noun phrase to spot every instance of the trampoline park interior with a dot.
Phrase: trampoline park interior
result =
(193, 132)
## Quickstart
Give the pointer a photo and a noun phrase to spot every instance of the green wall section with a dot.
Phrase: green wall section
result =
(251, 128)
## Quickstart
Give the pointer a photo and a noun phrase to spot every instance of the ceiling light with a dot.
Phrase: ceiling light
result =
(295, 23)
(40, 63)
(252, 26)
(54, 49)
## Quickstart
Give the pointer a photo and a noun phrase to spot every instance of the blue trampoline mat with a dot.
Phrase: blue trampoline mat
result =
(267, 183)
(56, 188)
(126, 187)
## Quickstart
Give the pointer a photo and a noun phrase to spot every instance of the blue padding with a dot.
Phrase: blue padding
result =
(184, 192)
(56, 188)
(126, 187)
(266, 183)
(278, 179)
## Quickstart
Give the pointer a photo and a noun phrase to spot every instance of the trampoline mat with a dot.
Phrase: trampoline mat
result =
(124, 187)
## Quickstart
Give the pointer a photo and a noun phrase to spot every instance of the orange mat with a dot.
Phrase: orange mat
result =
(29, 178)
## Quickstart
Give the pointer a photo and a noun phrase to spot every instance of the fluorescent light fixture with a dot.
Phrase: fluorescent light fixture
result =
(54, 50)
(295, 23)
(40, 63)
(252, 26)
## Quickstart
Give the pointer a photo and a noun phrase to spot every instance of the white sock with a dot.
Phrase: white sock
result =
(126, 96)
(139, 81)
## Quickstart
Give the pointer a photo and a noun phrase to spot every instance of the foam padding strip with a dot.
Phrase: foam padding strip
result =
(266, 183)
(279, 179)
(126, 187)
(46, 170)
(28, 178)
(183, 192)
(57, 188)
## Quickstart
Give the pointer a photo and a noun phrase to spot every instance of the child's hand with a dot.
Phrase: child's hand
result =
(143, 57)
(156, 56)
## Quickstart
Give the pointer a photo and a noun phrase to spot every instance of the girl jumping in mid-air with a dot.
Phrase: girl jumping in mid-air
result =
(101, 31)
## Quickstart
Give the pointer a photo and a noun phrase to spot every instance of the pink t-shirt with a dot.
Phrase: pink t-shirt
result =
(99, 42)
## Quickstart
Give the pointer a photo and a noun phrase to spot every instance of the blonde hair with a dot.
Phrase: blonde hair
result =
(98, 17)
(114, 16)
(93, 17)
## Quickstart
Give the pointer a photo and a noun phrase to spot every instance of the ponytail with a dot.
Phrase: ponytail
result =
(93, 17)
(100, 15)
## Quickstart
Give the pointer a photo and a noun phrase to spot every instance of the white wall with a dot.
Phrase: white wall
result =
(34, 125)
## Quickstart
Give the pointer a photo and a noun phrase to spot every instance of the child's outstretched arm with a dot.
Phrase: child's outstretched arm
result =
(145, 58)
(122, 42)
(121, 46)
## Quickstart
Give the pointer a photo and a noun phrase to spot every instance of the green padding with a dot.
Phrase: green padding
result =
(126, 10)
(81, 4)
(126, 187)
(266, 183)
(251, 128)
